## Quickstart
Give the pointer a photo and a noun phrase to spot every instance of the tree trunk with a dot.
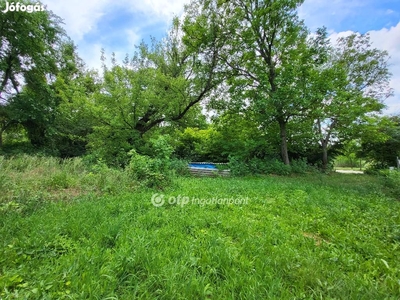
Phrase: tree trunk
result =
(284, 150)
(324, 155)
(36, 133)
(3, 128)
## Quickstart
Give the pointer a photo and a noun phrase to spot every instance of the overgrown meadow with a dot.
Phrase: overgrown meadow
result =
(69, 230)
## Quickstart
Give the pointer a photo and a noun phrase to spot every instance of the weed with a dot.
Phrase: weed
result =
(299, 237)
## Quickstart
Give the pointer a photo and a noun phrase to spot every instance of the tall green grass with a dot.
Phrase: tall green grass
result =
(27, 182)
(299, 237)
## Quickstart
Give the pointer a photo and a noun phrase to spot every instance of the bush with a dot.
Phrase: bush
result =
(198, 145)
(151, 172)
(143, 168)
(258, 166)
(179, 167)
(242, 167)
(156, 171)
(238, 166)
(278, 167)
(300, 166)
(391, 181)
(161, 147)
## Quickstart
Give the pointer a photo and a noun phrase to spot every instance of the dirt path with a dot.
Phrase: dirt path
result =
(350, 172)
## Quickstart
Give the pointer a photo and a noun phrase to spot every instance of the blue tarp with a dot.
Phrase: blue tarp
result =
(203, 166)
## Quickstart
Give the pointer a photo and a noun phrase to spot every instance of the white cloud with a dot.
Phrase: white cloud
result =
(388, 39)
(333, 36)
(80, 17)
(133, 37)
(318, 13)
(385, 39)
(91, 55)
(163, 10)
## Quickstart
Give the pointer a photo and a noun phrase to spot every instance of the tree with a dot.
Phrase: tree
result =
(270, 56)
(157, 87)
(352, 84)
(198, 144)
(380, 141)
(6, 122)
(73, 90)
(28, 62)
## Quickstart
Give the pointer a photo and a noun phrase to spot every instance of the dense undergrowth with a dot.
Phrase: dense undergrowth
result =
(75, 231)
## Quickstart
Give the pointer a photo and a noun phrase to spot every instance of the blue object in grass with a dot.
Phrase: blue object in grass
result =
(203, 166)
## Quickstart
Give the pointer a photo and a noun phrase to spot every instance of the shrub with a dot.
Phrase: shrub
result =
(278, 167)
(151, 172)
(257, 166)
(156, 171)
(391, 181)
(222, 167)
(238, 166)
(161, 147)
(60, 180)
(299, 166)
(179, 167)
(242, 167)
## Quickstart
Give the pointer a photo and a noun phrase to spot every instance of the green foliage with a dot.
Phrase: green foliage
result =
(152, 171)
(29, 182)
(241, 167)
(155, 172)
(349, 88)
(391, 180)
(74, 120)
(238, 167)
(28, 58)
(276, 166)
(179, 167)
(161, 147)
(300, 166)
(199, 145)
(239, 135)
(112, 146)
(275, 91)
(381, 143)
(151, 89)
(349, 157)
(268, 59)
(305, 86)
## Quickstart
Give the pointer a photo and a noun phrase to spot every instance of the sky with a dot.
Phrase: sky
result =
(119, 26)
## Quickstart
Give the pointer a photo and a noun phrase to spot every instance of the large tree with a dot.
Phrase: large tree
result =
(380, 142)
(158, 86)
(28, 63)
(351, 85)
(73, 90)
(270, 55)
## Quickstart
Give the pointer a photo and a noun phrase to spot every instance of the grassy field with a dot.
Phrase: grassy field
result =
(73, 232)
